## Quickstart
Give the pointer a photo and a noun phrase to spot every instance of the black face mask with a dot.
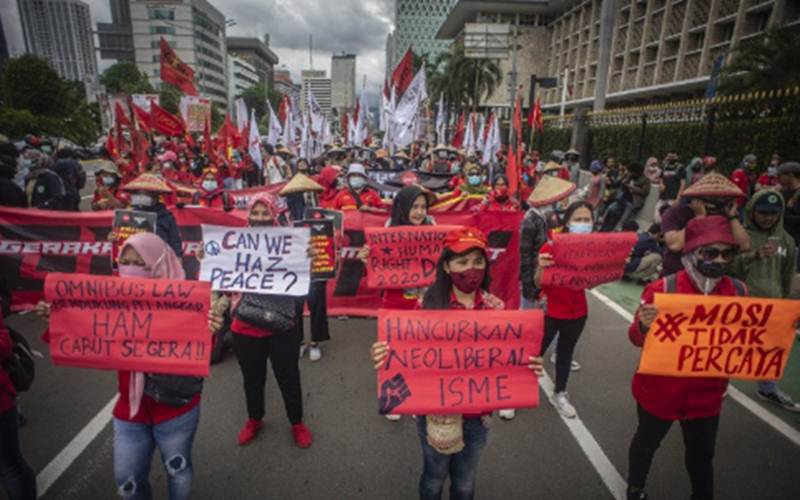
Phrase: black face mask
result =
(711, 269)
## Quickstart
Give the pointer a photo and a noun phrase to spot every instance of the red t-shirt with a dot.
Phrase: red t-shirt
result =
(241, 327)
(395, 298)
(150, 411)
(346, 201)
(564, 303)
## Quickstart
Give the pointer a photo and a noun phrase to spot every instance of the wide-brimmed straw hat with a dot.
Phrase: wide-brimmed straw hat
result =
(108, 167)
(550, 190)
(715, 185)
(401, 155)
(148, 182)
(283, 150)
(551, 165)
(300, 183)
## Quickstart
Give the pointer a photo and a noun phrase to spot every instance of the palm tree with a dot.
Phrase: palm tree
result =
(763, 63)
(462, 81)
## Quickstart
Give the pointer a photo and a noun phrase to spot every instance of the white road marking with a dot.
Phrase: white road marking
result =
(50, 474)
(601, 463)
(766, 416)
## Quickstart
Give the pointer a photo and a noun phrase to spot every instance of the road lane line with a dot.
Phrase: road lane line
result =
(601, 463)
(766, 416)
(50, 474)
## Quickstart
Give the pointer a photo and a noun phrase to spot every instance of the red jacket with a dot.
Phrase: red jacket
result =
(678, 398)
(7, 392)
(346, 201)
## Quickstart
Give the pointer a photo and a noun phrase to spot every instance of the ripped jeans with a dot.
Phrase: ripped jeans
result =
(134, 444)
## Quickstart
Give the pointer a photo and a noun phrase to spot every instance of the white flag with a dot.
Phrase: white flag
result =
(441, 126)
(254, 141)
(469, 135)
(405, 115)
(241, 114)
(480, 134)
(275, 130)
(492, 144)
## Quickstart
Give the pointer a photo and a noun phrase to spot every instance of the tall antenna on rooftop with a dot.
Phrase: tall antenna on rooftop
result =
(310, 51)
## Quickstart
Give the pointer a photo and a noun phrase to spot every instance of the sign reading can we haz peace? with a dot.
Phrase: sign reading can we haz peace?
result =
(267, 260)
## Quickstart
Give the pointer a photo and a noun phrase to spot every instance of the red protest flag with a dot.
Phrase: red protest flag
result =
(535, 116)
(345, 126)
(208, 147)
(165, 122)
(175, 71)
(141, 145)
(458, 136)
(142, 118)
(111, 146)
(403, 73)
(283, 109)
(120, 117)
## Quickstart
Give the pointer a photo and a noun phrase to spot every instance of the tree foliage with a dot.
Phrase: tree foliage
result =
(126, 78)
(256, 97)
(463, 81)
(170, 97)
(763, 63)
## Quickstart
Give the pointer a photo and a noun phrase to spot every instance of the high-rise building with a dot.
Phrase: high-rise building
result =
(389, 56)
(415, 25)
(241, 76)
(256, 52)
(343, 82)
(61, 32)
(116, 38)
(195, 29)
(316, 82)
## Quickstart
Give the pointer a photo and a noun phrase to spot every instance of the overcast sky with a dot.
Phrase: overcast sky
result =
(353, 26)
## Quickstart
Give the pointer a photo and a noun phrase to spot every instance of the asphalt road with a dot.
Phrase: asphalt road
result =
(359, 455)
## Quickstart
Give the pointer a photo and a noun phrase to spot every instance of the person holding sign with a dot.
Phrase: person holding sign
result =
(695, 402)
(452, 444)
(254, 344)
(153, 410)
(566, 309)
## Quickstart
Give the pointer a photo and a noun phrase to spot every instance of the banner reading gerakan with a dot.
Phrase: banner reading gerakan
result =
(446, 362)
(587, 260)
(147, 325)
(747, 338)
(404, 256)
(268, 260)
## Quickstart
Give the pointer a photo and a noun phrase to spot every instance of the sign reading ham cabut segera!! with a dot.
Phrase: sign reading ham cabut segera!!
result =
(712, 336)
(267, 260)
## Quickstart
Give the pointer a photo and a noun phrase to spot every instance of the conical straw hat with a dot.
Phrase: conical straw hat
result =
(550, 190)
(713, 184)
(148, 182)
(300, 183)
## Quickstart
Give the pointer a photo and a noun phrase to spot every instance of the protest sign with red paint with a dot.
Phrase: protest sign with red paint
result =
(747, 338)
(404, 256)
(146, 325)
(323, 243)
(584, 261)
(448, 362)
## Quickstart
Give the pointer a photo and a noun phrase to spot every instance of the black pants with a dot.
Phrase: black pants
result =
(16, 475)
(699, 438)
(568, 331)
(281, 349)
(318, 307)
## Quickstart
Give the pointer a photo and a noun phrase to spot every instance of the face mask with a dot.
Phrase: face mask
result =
(710, 269)
(357, 182)
(580, 227)
(474, 180)
(468, 281)
(260, 223)
(133, 271)
(108, 181)
(209, 185)
(141, 200)
(772, 171)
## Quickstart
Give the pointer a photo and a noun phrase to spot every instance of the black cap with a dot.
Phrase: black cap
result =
(769, 203)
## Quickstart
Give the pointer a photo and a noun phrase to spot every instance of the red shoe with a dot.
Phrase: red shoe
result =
(302, 436)
(249, 431)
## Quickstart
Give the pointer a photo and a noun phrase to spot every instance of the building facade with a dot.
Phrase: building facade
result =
(195, 29)
(241, 76)
(256, 52)
(61, 32)
(284, 85)
(343, 82)
(416, 23)
(316, 82)
(389, 57)
(116, 38)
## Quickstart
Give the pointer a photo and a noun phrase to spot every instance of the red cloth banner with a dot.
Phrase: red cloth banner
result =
(586, 260)
(405, 256)
(165, 122)
(403, 73)
(146, 325)
(451, 362)
(175, 71)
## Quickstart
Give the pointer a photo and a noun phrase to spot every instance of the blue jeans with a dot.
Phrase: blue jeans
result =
(134, 444)
(16, 476)
(768, 386)
(462, 466)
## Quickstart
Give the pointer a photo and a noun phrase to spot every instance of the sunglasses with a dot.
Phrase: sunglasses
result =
(711, 253)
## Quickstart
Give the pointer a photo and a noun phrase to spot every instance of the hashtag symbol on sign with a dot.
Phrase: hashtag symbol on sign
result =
(669, 327)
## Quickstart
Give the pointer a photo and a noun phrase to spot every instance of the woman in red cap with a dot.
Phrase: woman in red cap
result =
(462, 283)
(694, 402)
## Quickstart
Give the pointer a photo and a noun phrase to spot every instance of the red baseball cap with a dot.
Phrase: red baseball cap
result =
(465, 238)
(707, 231)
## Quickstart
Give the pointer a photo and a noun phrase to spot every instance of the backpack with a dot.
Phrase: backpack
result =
(20, 366)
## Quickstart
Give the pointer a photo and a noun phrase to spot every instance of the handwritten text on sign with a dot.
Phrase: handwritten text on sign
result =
(587, 260)
(404, 256)
(269, 260)
(112, 323)
(710, 336)
(446, 362)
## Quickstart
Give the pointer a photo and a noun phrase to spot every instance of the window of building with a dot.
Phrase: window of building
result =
(650, 54)
(162, 30)
(161, 13)
(722, 33)
(756, 22)
(695, 41)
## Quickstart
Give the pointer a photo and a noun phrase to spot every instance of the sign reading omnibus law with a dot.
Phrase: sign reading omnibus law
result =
(446, 362)
(587, 260)
(746, 338)
(404, 256)
(112, 323)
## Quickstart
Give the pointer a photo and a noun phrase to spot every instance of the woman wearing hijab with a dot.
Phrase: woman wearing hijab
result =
(152, 410)
(462, 283)
(254, 346)
(328, 178)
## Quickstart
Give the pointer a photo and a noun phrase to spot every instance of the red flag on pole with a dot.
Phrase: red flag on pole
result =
(175, 71)
(165, 122)
(120, 117)
(345, 126)
(515, 148)
(140, 147)
(403, 73)
(207, 146)
(111, 147)
(535, 116)
(142, 118)
(458, 136)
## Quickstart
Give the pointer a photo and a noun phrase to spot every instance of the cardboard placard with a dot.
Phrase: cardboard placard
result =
(323, 264)
(585, 261)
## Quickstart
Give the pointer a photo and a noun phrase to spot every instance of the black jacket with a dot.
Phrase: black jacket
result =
(46, 190)
(533, 234)
(11, 195)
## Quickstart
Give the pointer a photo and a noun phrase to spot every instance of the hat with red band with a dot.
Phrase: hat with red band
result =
(465, 238)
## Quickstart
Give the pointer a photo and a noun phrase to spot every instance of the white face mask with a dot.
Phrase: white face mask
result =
(209, 185)
(141, 200)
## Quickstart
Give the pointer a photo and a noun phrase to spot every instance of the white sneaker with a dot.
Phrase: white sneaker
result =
(507, 414)
(574, 366)
(560, 400)
(314, 352)
(303, 349)
(392, 417)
